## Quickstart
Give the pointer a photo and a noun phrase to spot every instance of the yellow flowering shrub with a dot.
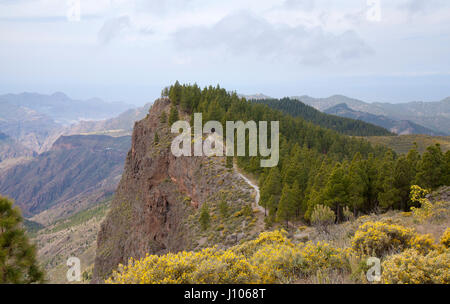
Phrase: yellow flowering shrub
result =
(445, 239)
(207, 266)
(411, 267)
(271, 258)
(378, 239)
(426, 208)
(322, 256)
(435, 211)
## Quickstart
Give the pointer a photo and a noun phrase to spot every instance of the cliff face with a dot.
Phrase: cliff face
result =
(156, 205)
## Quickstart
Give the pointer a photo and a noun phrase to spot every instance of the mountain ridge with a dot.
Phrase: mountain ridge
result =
(400, 127)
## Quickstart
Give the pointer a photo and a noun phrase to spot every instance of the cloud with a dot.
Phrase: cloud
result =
(112, 28)
(305, 5)
(159, 7)
(414, 7)
(245, 34)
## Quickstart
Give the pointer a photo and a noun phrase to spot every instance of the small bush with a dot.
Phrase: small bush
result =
(445, 239)
(378, 239)
(411, 267)
(322, 217)
(204, 217)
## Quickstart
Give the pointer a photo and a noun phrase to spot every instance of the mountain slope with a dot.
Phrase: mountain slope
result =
(157, 205)
(116, 126)
(432, 115)
(76, 168)
(26, 126)
(401, 127)
(9, 148)
(403, 143)
(348, 126)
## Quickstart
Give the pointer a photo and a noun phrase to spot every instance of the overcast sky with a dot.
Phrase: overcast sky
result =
(128, 50)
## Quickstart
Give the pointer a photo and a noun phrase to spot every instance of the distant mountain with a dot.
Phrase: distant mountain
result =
(26, 126)
(432, 115)
(63, 109)
(401, 127)
(9, 148)
(75, 173)
(117, 126)
(257, 96)
(348, 126)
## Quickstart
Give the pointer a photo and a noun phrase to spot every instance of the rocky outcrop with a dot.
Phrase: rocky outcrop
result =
(158, 198)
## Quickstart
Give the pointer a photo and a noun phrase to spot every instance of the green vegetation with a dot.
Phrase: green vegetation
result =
(406, 256)
(32, 227)
(319, 165)
(204, 217)
(343, 125)
(17, 256)
(98, 211)
(403, 143)
(173, 115)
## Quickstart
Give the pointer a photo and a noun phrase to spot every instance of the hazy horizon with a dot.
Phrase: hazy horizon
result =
(129, 50)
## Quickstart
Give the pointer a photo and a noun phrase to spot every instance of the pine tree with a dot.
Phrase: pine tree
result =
(163, 118)
(18, 263)
(404, 174)
(447, 169)
(271, 188)
(173, 115)
(175, 93)
(431, 168)
(337, 191)
(286, 206)
(388, 195)
(357, 184)
(156, 138)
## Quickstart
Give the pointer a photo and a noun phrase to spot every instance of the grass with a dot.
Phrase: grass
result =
(98, 211)
(403, 143)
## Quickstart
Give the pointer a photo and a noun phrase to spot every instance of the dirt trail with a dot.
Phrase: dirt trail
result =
(251, 184)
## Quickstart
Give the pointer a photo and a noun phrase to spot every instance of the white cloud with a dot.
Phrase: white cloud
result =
(112, 28)
(243, 33)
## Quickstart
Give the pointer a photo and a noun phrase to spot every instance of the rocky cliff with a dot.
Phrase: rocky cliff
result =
(156, 206)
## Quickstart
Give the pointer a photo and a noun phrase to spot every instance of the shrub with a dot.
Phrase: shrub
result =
(410, 267)
(324, 257)
(418, 196)
(378, 239)
(348, 215)
(445, 239)
(271, 258)
(322, 216)
(431, 211)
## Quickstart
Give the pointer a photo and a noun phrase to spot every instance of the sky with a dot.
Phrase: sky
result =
(374, 50)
